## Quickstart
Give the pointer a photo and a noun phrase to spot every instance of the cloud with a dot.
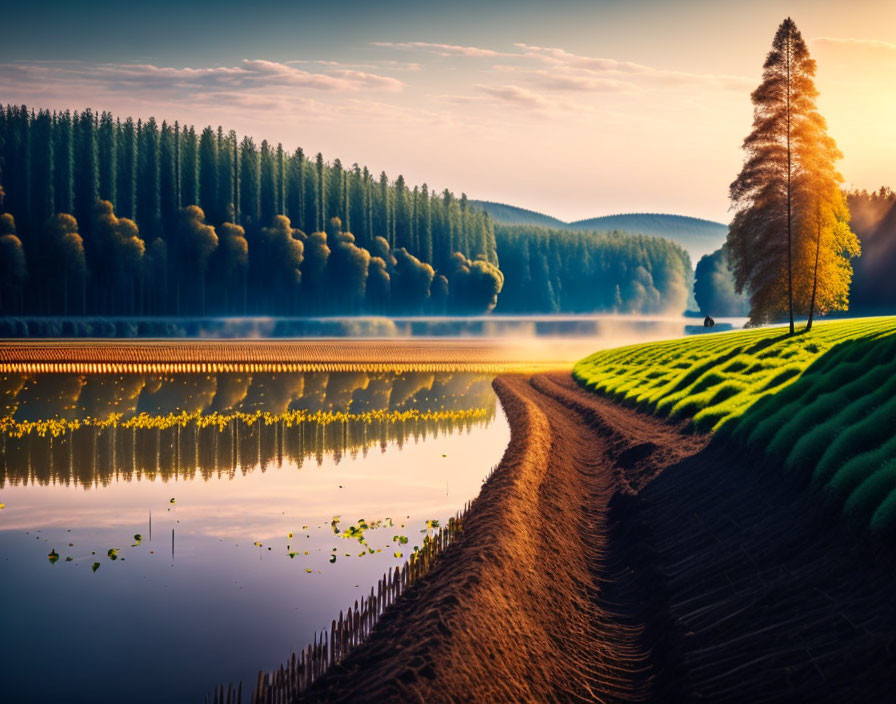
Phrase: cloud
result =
(876, 44)
(559, 81)
(370, 80)
(561, 57)
(389, 64)
(250, 75)
(556, 69)
(575, 71)
(516, 95)
(444, 49)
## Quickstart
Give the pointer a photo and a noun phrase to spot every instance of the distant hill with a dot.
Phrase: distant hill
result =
(697, 236)
(511, 215)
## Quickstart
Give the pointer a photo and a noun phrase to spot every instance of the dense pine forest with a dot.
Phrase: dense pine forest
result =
(109, 216)
(551, 271)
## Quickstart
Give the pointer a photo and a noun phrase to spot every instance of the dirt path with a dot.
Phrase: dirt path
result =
(614, 558)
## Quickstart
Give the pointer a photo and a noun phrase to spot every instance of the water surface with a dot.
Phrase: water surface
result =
(228, 503)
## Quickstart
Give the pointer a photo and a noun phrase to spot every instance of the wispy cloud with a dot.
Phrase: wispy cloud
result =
(558, 70)
(577, 69)
(856, 43)
(389, 64)
(573, 82)
(251, 75)
(445, 49)
(516, 95)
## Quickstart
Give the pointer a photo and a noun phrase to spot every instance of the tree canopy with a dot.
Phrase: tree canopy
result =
(789, 242)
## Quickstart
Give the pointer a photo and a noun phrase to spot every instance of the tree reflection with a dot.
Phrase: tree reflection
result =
(92, 430)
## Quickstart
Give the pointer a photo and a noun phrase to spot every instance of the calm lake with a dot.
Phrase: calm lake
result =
(204, 524)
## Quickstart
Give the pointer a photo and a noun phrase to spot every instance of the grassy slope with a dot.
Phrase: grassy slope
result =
(822, 405)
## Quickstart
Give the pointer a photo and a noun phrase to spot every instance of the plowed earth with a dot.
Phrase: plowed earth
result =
(612, 557)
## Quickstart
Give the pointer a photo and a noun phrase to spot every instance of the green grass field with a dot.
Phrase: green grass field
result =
(822, 405)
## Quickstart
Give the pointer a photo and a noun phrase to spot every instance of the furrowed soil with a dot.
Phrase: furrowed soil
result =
(613, 557)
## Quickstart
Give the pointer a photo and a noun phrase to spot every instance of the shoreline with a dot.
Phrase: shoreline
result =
(613, 556)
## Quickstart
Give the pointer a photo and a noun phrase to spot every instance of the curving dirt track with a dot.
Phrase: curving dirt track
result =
(614, 558)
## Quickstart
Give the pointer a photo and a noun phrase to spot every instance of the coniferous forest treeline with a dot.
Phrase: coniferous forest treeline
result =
(548, 270)
(110, 216)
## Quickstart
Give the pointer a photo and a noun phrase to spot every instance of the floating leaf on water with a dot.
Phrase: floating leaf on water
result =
(96, 566)
(289, 535)
(2, 505)
(292, 555)
(112, 553)
(306, 552)
(53, 556)
(138, 537)
(257, 544)
(308, 570)
(403, 539)
(68, 559)
(332, 559)
(399, 554)
(171, 501)
(303, 528)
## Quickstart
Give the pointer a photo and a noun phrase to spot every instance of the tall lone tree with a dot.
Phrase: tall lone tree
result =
(789, 224)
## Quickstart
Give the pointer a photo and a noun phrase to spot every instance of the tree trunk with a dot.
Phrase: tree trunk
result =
(789, 194)
(814, 275)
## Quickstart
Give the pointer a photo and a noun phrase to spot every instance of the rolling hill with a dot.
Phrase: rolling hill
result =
(511, 215)
(697, 236)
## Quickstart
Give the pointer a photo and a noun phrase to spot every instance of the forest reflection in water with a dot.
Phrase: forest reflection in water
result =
(90, 430)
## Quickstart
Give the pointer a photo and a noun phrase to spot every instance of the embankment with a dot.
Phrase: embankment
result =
(615, 557)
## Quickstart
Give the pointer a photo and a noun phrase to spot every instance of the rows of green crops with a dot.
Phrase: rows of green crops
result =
(820, 404)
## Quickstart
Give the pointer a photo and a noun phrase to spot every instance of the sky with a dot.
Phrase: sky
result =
(575, 109)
